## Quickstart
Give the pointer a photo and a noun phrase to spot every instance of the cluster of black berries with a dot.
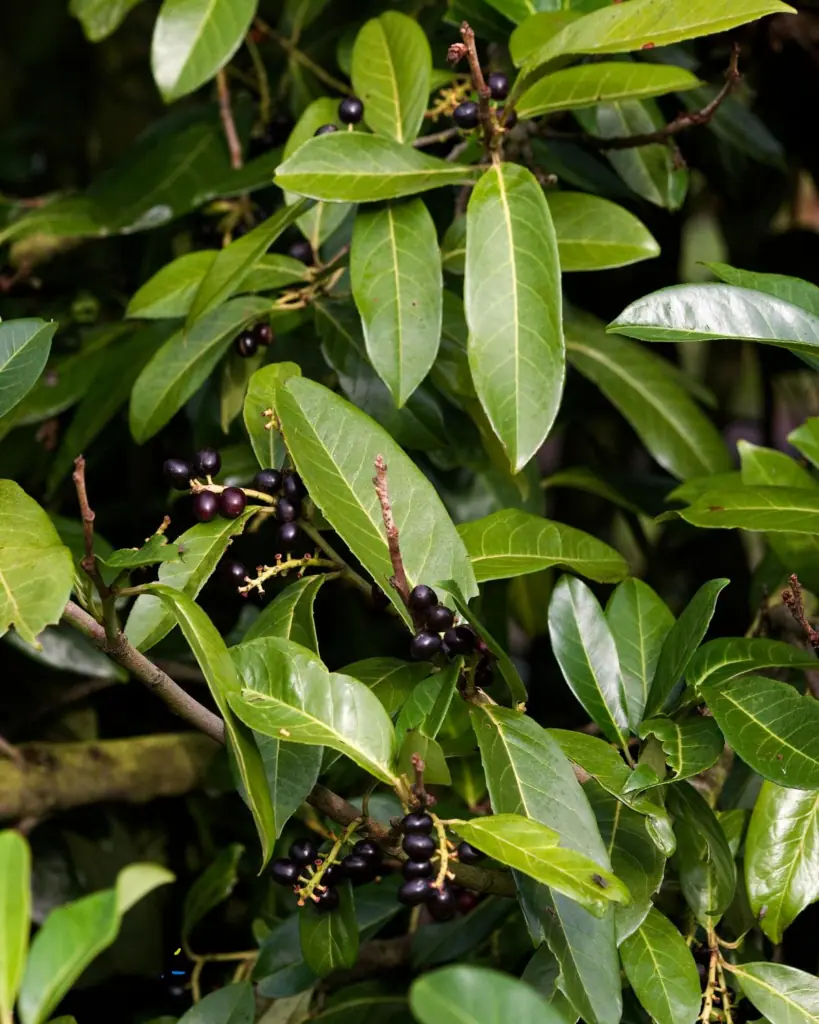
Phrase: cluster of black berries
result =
(207, 462)
(290, 489)
(466, 114)
(247, 343)
(435, 619)
(350, 111)
(359, 867)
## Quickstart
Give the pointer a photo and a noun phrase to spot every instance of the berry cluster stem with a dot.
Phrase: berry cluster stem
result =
(314, 882)
(399, 578)
(443, 853)
(284, 566)
(196, 487)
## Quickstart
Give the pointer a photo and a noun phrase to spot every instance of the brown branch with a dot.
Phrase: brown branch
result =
(89, 559)
(399, 578)
(795, 603)
(442, 136)
(418, 789)
(10, 752)
(228, 124)
(481, 88)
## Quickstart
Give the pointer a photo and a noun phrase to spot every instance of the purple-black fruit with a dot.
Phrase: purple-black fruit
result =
(303, 852)
(418, 847)
(205, 506)
(178, 473)
(232, 502)
(207, 462)
(284, 871)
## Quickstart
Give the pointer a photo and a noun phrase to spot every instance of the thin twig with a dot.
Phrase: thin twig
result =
(418, 788)
(301, 58)
(261, 79)
(347, 571)
(795, 603)
(399, 578)
(443, 136)
(228, 124)
(481, 88)
(89, 560)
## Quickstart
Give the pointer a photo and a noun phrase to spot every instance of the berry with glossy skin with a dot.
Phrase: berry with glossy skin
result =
(263, 333)
(233, 572)
(268, 481)
(293, 486)
(417, 821)
(327, 900)
(512, 118)
(414, 892)
(287, 536)
(303, 852)
(232, 502)
(207, 462)
(460, 640)
(424, 646)
(498, 85)
(441, 904)
(465, 115)
(467, 854)
(302, 251)
(178, 473)
(439, 618)
(422, 598)
(333, 875)
(350, 110)
(326, 129)
(205, 506)
(286, 510)
(466, 901)
(284, 871)
(359, 869)
(369, 850)
(417, 869)
(246, 344)
(418, 847)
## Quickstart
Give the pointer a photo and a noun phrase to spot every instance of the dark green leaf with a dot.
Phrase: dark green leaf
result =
(329, 942)
(661, 970)
(233, 1004)
(595, 234)
(99, 18)
(390, 679)
(415, 743)
(292, 769)
(476, 995)
(290, 615)
(691, 746)
(792, 289)
(536, 31)
(782, 994)
(260, 400)
(774, 509)
(806, 439)
(212, 887)
(24, 348)
(155, 550)
(15, 916)
(725, 658)
(66, 649)
(442, 943)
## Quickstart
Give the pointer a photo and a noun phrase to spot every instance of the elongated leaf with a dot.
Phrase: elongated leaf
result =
(36, 568)
(292, 769)
(511, 542)
(782, 856)
(15, 916)
(690, 746)
(260, 400)
(391, 71)
(774, 509)
(464, 994)
(588, 84)
(595, 234)
(287, 693)
(354, 167)
(329, 942)
(721, 660)
(585, 650)
(233, 1004)
(766, 467)
(806, 439)
(646, 392)
(661, 970)
(212, 887)
(223, 682)
(639, 620)
(390, 679)
(682, 640)
(155, 550)
(24, 348)
(782, 994)
(193, 39)
(99, 18)
(771, 726)
(791, 289)
(334, 447)
(395, 271)
(290, 615)
(513, 308)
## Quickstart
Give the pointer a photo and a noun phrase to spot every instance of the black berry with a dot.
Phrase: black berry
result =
(417, 821)
(263, 333)
(232, 502)
(303, 852)
(268, 481)
(425, 646)
(207, 462)
(441, 904)
(286, 510)
(414, 892)
(465, 115)
(302, 251)
(327, 900)
(293, 486)
(284, 871)
(418, 847)
(422, 598)
(359, 869)
(205, 506)
(233, 572)
(350, 110)
(466, 901)
(369, 850)
(178, 473)
(246, 344)
(326, 129)
(460, 640)
(484, 674)
(498, 85)
(467, 854)
(511, 118)
(287, 536)
(439, 618)
(417, 869)
(333, 875)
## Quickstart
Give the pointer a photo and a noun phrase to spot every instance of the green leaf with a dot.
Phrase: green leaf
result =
(354, 167)
(430, 752)
(513, 307)
(681, 642)
(66, 649)
(292, 769)
(36, 568)
(391, 71)
(329, 942)
(233, 1004)
(99, 18)
(771, 726)
(289, 616)
(155, 550)
(533, 34)
(661, 970)
(511, 542)
(390, 679)
(532, 848)
(224, 682)
(193, 39)
(334, 447)
(791, 289)
(267, 442)
(15, 916)
(587, 84)
(782, 994)
(212, 887)
(203, 544)
(725, 658)
(464, 994)
(288, 694)
(177, 371)
(782, 857)
(806, 439)
(73, 935)
(24, 348)
(774, 509)
(453, 247)
(645, 390)
(690, 746)
(235, 262)
(395, 271)
(595, 234)
(762, 467)
(584, 648)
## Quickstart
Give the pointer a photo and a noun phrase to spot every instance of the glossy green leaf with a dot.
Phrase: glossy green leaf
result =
(395, 271)
(334, 447)
(15, 916)
(177, 371)
(267, 442)
(155, 550)
(721, 660)
(690, 746)
(73, 935)
(288, 694)
(792, 289)
(783, 995)
(511, 542)
(584, 648)
(681, 642)
(465, 994)
(193, 39)
(771, 726)
(513, 307)
(639, 620)
(212, 887)
(391, 70)
(542, 973)
(806, 439)
(36, 568)
(416, 743)
(292, 769)
(453, 247)
(595, 234)
(329, 942)
(66, 649)
(204, 544)
(289, 616)
(782, 856)
(763, 467)
(233, 1004)
(99, 18)
(533, 33)
(354, 167)
(645, 390)
(24, 348)
(390, 679)
(661, 970)
(774, 509)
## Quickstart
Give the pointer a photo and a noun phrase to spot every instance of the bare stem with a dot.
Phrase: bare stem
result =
(795, 603)
(228, 124)
(481, 88)
(300, 57)
(442, 136)
(399, 578)
(261, 79)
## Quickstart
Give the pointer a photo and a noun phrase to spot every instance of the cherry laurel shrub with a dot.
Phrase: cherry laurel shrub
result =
(349, 370)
